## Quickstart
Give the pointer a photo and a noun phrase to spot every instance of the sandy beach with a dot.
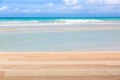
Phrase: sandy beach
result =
(59, 65)
(55, 28)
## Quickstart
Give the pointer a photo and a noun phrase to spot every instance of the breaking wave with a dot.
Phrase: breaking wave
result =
(52, 22)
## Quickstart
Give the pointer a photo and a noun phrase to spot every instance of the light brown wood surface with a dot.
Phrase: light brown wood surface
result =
(59, 65)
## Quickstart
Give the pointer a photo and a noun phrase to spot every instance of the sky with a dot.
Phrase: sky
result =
(59, 8)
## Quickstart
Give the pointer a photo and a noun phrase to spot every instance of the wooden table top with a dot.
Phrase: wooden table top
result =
(59, 65)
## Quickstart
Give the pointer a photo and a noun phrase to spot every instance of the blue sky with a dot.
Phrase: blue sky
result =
(59, 8)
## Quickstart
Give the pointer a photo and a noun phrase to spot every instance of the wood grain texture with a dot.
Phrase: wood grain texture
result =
(59, 65)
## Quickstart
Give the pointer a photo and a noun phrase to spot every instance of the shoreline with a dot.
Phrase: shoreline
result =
(63, 52)
(67, 29)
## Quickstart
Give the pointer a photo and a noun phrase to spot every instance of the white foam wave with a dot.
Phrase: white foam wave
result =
(80, 21)
(52, 22)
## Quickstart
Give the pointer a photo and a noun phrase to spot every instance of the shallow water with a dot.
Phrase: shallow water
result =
(94, 40)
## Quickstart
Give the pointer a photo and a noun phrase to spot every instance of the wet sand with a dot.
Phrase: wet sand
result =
(59, 65)
(53, 29)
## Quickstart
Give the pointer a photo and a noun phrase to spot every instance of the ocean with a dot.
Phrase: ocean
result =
(34, 34)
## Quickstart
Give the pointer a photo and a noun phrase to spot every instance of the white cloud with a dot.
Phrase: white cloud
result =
(71, 5)
(77, 7)
(103, 2)
(29, 11)
(94, 1)
(3, 8)
(25, 11)
(103, 6)
(49, 4)
(112, 1)
(71, 2)
(36, 11)
(16, 9)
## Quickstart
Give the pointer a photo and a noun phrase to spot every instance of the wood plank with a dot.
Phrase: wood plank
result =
(2, 74)
(59, 65)
(64, 72)
(63, 78)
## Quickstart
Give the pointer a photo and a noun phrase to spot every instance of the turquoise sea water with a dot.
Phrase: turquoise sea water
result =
(59, 34)
(58, 18)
